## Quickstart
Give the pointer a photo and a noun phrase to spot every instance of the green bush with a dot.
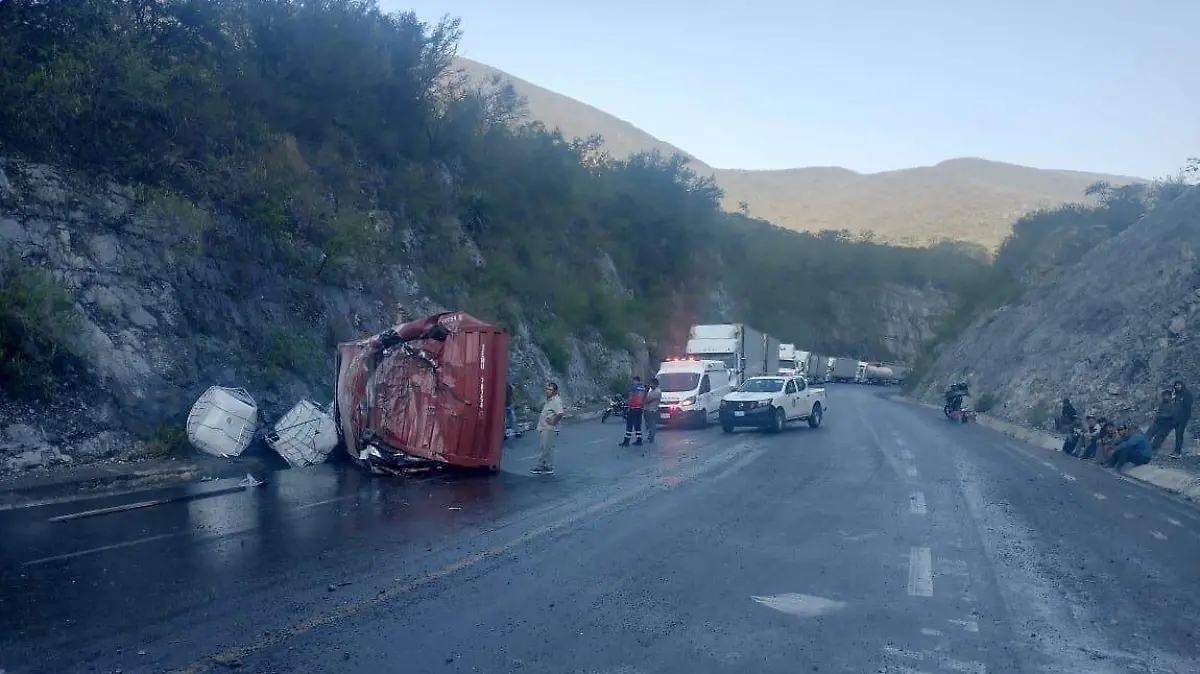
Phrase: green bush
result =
(986, 403)
(37, 323)
(1040, 414)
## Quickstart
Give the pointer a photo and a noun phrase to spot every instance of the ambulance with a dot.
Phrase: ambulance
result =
(692, 390)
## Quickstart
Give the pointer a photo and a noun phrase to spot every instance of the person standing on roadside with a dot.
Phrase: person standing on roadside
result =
(633, 418)
(650, 410)
(1183, 414)
(1164, 420)
(548, 420)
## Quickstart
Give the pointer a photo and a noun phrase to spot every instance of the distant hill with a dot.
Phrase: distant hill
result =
(969, 199)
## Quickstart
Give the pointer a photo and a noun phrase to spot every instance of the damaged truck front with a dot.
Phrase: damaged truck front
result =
(424, 393)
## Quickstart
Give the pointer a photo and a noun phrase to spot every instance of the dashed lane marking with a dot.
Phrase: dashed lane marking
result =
(906, 455)
(1099, 496)
(916, 503)
(1068, 477)
(911, 471)
(920, 573)
(967, 625)
(1174, 521)
(1159, 535)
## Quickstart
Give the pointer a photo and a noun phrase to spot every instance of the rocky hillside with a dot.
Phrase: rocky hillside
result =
(1103, 307)
(183, 206)
(960, 199)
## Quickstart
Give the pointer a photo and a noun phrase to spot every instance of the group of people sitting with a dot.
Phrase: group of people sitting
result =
(1115, 444)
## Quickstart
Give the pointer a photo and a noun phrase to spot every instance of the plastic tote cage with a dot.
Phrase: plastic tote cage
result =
(223, 421)
(305, 436)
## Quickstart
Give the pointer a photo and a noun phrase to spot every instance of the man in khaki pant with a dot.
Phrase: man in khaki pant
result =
(548, 420)
(650, 410)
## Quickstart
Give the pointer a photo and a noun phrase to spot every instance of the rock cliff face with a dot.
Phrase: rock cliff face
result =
(156, 318)
(1108, 331)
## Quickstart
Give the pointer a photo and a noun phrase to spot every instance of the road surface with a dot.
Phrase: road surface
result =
(889, 540)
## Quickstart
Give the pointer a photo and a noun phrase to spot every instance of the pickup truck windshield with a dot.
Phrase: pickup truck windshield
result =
(678, 382)
(765, 385)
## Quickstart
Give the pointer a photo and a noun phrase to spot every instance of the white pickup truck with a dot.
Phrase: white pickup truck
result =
(771, 402)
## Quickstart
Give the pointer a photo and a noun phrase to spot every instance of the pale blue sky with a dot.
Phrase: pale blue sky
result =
(1102, 85)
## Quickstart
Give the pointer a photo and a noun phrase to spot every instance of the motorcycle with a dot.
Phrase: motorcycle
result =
(616, 405)
(961, 413)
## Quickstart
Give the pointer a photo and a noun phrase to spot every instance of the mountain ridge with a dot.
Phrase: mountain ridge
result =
(967, 198)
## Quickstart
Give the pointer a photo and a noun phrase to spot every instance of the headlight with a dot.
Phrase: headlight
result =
(686, 402)
(763, 403)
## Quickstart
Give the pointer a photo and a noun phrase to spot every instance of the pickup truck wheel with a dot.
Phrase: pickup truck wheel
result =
(778, 422)
(727, 428)
(814, 418)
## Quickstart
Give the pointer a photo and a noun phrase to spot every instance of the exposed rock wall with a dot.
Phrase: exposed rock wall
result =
(1108, 331)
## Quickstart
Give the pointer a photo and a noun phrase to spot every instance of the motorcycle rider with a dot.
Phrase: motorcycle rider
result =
(956, 394)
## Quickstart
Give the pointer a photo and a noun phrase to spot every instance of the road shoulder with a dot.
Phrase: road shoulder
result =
(1181, 481)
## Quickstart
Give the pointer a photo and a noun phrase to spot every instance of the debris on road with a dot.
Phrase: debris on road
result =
(222, 422)
(250, 481)
(305, 436)
(423, 394)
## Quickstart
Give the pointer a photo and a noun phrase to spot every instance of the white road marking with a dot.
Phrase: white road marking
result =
(1048, 465)
(911, 470)
(968, 667)
(920, 573)
(596, 442)
(916, 503)
(1174, 521)
(803, 605)
(1128, 516)
(911, 655)
(906, 455)
(929, 632)
(740, 463)
(1099, 496)
(104, 548)
(1068, 478)
(968, 625)
(326, 501)
(900, 441)
(860, 537)
(1159, 535)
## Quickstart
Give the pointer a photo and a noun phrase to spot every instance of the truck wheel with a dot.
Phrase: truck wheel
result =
(727, 428)
(814, 419)
(778, 422)
(702, 422)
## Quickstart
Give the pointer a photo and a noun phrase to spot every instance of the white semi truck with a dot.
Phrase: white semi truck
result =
(745, 351)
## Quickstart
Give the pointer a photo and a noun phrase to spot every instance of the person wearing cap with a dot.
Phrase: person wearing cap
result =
(1134, 447)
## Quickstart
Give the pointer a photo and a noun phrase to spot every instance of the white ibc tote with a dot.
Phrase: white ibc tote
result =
(305, 436)
(223, 421)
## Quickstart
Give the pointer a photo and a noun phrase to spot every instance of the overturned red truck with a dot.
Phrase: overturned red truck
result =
(431, 390)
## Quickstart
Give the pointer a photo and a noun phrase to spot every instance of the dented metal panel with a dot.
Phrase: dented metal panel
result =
(405, 394)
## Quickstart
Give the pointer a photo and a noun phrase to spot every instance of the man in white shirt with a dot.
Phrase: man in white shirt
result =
(548, 420)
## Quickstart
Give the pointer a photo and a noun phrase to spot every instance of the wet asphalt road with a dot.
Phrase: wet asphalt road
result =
(889, 540)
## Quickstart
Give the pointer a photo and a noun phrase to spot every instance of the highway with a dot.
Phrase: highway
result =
(888, 540)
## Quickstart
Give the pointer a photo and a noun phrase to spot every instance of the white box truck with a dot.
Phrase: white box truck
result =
(745, 351)
(789, 360)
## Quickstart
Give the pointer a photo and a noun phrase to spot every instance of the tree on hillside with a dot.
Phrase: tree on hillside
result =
(335, 138)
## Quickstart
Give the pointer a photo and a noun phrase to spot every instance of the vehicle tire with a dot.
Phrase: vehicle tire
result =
(778, 422)
(946, 411)
(814, 418)
(702, 422)
(966, 419)
(604, 417)
(727, 428)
